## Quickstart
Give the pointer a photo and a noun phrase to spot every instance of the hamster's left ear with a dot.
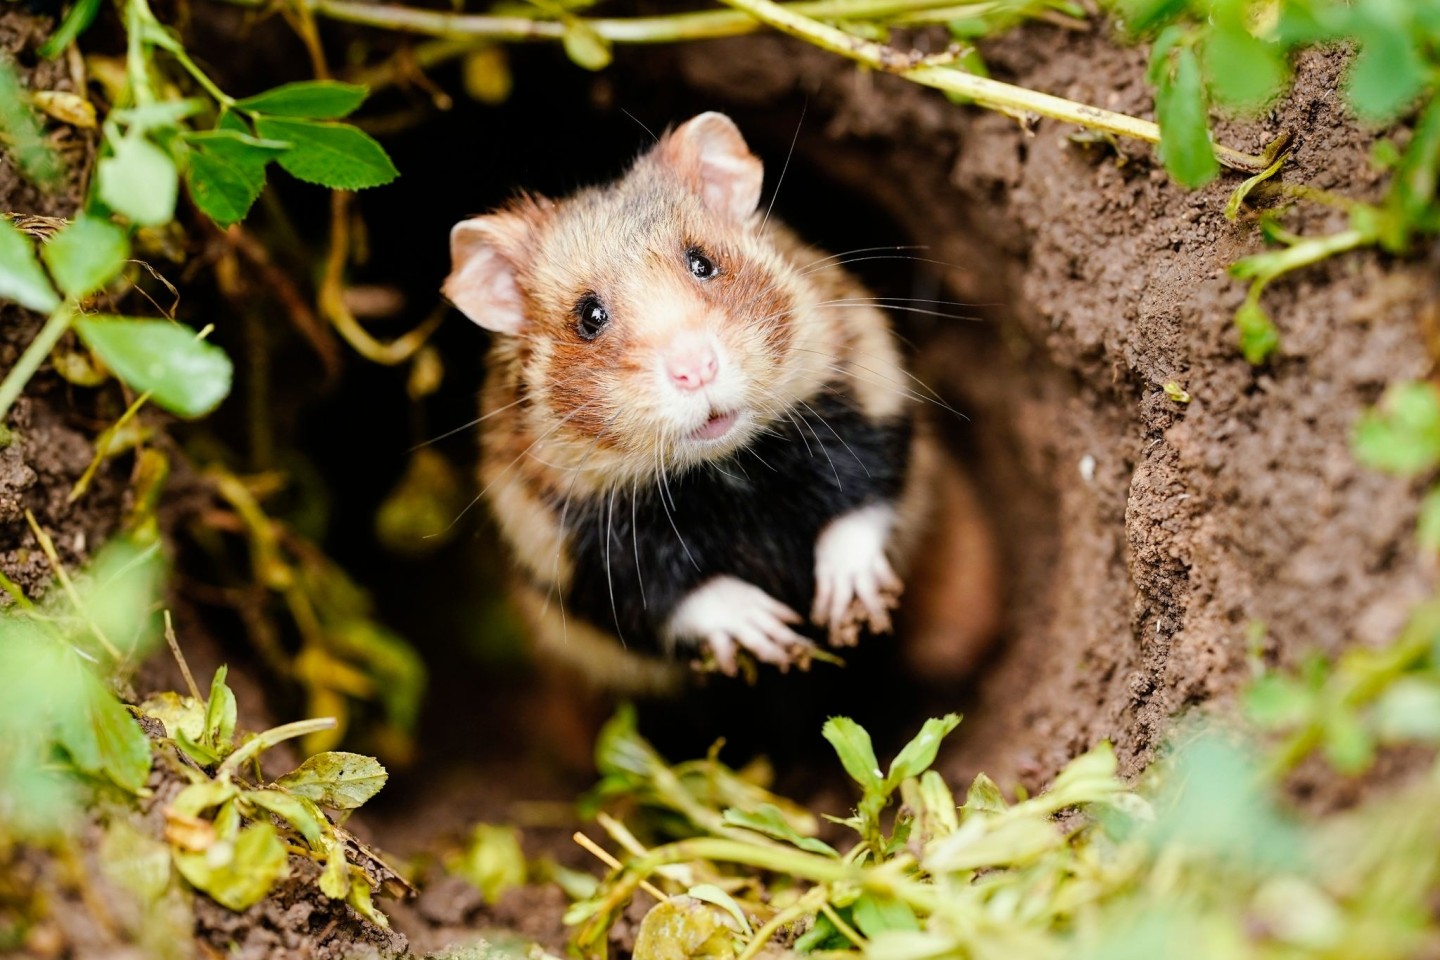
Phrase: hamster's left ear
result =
(710, 154)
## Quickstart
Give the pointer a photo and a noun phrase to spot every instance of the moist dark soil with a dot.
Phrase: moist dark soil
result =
(1153, 552)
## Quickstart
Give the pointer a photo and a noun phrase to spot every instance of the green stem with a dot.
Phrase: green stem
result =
(1302, 254)
(205, 82)
(700, 25)
(992, 94)
(264, 741)
(14, 383)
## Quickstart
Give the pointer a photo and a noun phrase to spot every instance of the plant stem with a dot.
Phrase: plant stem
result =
(700, 25)
(264, 741)
(14, 383)
(992, 94)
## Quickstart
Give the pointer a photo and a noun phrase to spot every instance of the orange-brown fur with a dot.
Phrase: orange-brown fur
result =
(565, 417)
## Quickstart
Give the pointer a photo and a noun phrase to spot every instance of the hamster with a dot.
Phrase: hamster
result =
(697, 437)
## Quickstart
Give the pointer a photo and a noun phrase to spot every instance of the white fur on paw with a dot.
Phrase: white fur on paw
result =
(854, 582)
(728, 615)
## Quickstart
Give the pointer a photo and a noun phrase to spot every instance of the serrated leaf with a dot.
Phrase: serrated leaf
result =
(359, 899)
(140, 181)
(768, 819)
(223, 190)
(21, 277)
(585, 47)
(1181, 111)
(341, 781)
(856, 753)
(220, 713)
(86, 254)
(917, 755)
(238, 874)
(310, 99)
(333, 155)
(186, 376)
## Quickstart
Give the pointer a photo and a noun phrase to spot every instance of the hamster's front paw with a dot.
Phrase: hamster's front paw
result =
(855, 586)
(727, 615)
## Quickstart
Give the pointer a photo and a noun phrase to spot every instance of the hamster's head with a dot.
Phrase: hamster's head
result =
(651, 323)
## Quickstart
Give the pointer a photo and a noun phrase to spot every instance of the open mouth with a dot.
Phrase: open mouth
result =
(716, 427)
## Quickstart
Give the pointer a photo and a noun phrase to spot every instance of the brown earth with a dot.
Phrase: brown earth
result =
(1145, 540)
(1153, 551)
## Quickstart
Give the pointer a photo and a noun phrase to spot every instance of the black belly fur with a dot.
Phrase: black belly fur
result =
(755, 515)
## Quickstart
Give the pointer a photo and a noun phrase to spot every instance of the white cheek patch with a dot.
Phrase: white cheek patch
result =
(728, 614)
(855, 585)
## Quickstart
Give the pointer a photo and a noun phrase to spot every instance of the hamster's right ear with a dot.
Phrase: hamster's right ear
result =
(482, 280)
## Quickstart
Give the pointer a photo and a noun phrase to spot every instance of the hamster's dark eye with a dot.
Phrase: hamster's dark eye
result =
(590, 317)
(701, 266)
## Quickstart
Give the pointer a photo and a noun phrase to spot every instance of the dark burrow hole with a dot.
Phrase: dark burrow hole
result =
(561, 129)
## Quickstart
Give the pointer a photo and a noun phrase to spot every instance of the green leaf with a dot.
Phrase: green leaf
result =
(715, 896)
(768, 819)
(874, 915)
(984, 796)
(227, 173)
(220, 713)
(238, 874)
(330, 154)
(300, 813)
(1389, 73)
(1142, 16)
(81, 15)
(199, 797)
(1348, 746)
(186, 376)
(492, 861)
(86, 255)
(165, 113)
(21, 277)
(917, 755)
(1402, 434)
(140, 181)
(342, 781)
(1244, 72)
(856, 753)
(1181, 111)
(20, 132)
(1258, 336)
(312, 99)
(585, 47)
(1275, 702)
(123, 583)
(101, 736)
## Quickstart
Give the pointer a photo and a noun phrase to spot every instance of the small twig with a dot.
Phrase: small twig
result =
(811, 901)
(180, 659)
(847, 931)
(604, 857)
(278, 283)
(102, 444)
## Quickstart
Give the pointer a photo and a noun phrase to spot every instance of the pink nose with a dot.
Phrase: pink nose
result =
(692, 366)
